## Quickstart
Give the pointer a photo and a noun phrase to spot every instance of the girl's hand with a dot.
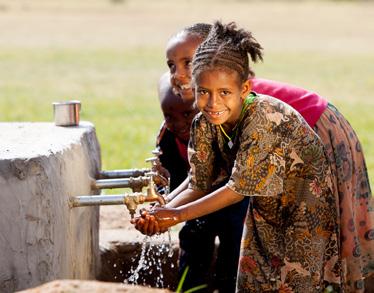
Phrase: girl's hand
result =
(146, 224)
(166, 217)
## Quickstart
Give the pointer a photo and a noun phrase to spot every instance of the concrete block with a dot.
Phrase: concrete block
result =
(41, 238)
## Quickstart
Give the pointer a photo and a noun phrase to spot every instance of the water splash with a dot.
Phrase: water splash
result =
(171, 250)
(155, 252)
(133, 279)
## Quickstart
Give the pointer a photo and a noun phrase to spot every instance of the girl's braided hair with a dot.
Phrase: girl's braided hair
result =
(227, 47)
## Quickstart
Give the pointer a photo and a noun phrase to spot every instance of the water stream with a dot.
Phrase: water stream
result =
(156, 252)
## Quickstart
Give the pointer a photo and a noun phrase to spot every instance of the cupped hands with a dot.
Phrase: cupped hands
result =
(156, 220)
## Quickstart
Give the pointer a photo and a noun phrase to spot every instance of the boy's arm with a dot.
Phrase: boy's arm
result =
(183, 186)
(170, 159)
(184, 196)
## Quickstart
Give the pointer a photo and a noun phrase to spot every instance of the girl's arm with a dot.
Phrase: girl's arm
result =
(222, 197)
(146, 222)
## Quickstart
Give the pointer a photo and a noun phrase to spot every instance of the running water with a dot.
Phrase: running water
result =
(154, 254)
(171, 251)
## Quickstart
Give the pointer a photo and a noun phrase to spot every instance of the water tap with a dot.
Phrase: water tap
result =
(131, 202)
(151, 195)
(152, 180)
(161, 176)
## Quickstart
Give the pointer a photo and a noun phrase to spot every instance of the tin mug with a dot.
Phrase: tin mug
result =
(66, 113)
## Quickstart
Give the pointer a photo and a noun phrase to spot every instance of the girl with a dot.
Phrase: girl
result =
(345, 156)
(262, 149)
(197, 238)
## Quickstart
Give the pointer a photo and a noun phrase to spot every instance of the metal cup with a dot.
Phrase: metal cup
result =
(66, 113)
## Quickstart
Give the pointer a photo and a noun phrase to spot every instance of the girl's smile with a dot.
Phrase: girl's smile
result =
(220, 94)
(179, 54)
(215, 114)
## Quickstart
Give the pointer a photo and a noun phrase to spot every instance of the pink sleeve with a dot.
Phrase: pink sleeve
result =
(308, 104)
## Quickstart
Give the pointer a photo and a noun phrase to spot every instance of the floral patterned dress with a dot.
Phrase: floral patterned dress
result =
(290, 239)
(356, 203)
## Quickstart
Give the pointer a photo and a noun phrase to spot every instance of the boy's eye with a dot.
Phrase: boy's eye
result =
(171, 66)
(201, 92)
(225, 93)
(187, 114)
(167, 117)
(188, 63)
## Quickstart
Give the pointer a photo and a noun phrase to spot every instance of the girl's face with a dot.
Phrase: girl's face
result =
(220, 94)
(179, 54)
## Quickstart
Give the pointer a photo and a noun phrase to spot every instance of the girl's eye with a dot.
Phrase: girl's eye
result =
(202, 92)
(188, 63)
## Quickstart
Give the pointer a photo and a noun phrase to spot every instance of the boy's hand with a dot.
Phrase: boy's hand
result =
(161, 170)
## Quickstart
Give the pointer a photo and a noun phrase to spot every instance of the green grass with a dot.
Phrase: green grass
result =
(118, 91)
(111, 85)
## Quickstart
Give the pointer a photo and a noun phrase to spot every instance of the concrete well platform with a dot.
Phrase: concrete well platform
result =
(41, 238)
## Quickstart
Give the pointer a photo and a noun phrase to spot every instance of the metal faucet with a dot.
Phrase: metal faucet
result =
(136, 184)
(123, 173)
(135, 179)
(157, 177)
(131, 200)
(126, 173)
(151, 195)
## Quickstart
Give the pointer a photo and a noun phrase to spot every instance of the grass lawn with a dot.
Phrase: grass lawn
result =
(110, 56)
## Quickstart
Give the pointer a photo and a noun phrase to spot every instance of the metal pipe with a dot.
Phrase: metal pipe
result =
(135, 183)
(130, 200)
(95, 200)
(125, 173)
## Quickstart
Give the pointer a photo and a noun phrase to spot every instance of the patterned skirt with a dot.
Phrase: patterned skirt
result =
(352, 188)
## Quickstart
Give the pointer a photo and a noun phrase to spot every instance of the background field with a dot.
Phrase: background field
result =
(109, 55)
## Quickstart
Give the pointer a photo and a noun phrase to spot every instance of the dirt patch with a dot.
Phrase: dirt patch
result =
(278, 25)
(75, 286)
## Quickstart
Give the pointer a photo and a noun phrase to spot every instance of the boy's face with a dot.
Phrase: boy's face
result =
(220, 95)
(179, 54)
(178, 116)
